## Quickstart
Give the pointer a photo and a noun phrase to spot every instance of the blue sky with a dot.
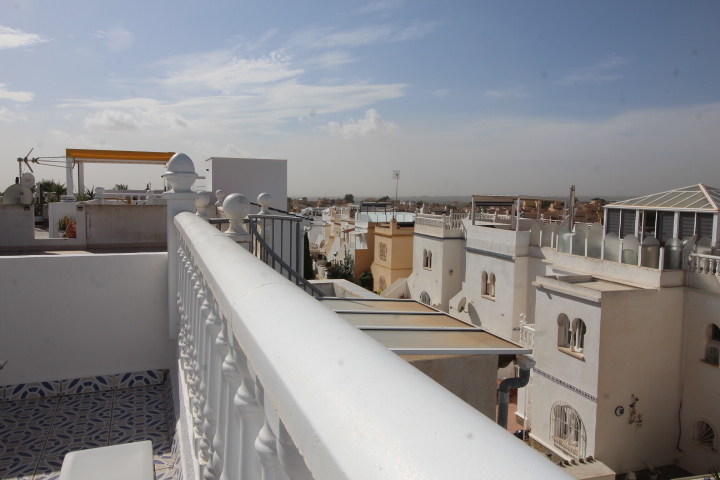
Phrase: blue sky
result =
(616, 97)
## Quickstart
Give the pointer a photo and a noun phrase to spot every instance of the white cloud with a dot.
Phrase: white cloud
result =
(112, 119)
(605, 71)
(11, 38)
(222, 71)
(372, 124)
(332, 59)
(15, 96)
(117, 39)
(7, 115)
(386, 33)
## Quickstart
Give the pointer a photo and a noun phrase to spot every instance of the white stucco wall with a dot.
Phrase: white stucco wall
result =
(701, 389)
(248, 176)
(640, 354)
(72, 316)
(447, 254)
(18, 225)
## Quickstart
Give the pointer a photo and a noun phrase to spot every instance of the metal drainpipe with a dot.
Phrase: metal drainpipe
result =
(525, 365)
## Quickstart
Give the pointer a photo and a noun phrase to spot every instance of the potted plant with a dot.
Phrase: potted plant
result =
(63, 224)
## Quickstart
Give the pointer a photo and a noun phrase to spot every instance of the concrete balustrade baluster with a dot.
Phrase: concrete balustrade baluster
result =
(265, 441)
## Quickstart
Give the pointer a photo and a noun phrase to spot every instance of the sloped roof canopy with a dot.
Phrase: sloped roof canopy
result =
(117, 156)
(695, 198)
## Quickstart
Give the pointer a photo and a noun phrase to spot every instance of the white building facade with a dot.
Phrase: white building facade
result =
(623, 321)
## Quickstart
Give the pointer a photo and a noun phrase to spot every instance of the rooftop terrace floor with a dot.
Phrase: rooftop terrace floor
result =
(35, 434)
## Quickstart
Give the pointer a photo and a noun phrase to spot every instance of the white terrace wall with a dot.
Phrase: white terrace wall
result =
(81, 315)
(17, 225)
(126, 225)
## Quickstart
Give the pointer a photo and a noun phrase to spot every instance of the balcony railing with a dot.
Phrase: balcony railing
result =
(527, 335)
(707, 264)
(275, 385)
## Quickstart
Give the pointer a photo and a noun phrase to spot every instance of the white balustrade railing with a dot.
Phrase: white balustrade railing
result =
(527, 335)
(707, 264)
(443, 222)
(278, 386)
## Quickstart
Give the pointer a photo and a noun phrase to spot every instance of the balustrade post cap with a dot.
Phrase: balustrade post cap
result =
(181, 173)
(203, 200)
(264, 199)
(236, 206)
(180, 163)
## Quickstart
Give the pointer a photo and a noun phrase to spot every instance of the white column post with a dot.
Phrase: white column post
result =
(81, 178)
(69, 162)
(180, 176)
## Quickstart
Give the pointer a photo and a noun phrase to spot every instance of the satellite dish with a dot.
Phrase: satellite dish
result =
(461, 304)
(27, 179)
(17, 194)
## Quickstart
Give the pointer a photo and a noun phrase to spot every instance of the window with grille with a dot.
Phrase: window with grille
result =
(704, 435)
(567, 430)
(425, 298)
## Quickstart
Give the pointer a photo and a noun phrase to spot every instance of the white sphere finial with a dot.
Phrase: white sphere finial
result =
(220, 197)
(181, 173)
(201, 203)
(264, 199)
(236, 208)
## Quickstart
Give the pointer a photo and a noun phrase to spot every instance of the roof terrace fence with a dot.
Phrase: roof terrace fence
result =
(275, 385)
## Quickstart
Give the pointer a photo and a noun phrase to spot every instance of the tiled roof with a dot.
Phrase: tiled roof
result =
(695, 198)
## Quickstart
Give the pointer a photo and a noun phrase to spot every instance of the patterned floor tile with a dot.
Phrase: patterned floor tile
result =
(88, 385)
(25, 391)
(21, 447)
(76, 438)
(139, 379)
(28, 410)
(165, 474)
(140, 394)
(95, 406)
(149, 415)
(162, 455)
(49, 468)
(17, 470)
(121, 436)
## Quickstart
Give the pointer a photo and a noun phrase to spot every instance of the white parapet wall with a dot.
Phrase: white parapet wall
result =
(82, 315)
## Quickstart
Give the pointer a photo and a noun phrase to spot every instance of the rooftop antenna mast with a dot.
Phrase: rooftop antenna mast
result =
(396, 177)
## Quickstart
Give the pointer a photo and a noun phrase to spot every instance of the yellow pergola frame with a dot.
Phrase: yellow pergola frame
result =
(79, 157)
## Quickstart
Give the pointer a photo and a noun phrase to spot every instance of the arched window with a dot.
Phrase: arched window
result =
(484, 284)
(564, 333)
(567, 430)
(491, 285)
(704, 435)
(382, 285)
(577, 341)
(425, 298)
(425, 259)
(712, 351)
(429, 259)
(383, 251)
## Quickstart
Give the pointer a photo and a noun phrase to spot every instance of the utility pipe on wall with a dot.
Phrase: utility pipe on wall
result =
(525, 365)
